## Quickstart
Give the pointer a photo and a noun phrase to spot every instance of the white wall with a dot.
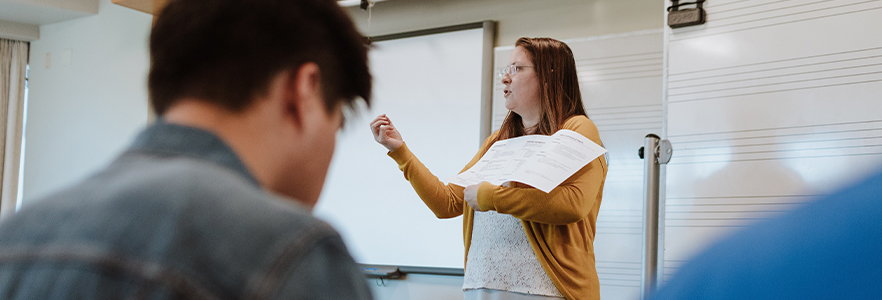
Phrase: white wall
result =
(84, 110)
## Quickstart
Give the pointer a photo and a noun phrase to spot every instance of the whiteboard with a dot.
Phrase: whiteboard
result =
(430, 86)
(769, 105)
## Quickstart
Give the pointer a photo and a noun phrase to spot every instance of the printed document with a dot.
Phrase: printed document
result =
(540, 161)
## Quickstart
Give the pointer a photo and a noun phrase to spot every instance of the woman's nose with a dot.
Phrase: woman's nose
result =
(506, 79)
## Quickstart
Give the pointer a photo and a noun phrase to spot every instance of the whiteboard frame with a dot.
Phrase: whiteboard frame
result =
(486, 67)
(487, 77)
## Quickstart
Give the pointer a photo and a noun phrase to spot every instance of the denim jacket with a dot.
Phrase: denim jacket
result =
(176, 216)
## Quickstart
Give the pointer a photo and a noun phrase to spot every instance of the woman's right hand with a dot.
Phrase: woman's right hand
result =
(385, 133)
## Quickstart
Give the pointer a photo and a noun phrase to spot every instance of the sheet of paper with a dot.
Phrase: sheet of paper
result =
(537, 160)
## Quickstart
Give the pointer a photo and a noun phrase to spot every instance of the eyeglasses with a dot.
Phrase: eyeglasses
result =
(511, 70)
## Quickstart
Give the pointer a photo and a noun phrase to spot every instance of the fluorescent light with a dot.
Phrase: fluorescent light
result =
(353, 2)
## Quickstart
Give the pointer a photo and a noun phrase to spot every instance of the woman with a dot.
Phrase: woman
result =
(520, 242)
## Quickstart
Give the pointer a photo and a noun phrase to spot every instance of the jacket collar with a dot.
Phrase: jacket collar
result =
(171, 139)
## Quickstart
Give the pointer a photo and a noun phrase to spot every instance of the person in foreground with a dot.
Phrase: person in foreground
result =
(827, 249)
(213, 200)
(521, 243)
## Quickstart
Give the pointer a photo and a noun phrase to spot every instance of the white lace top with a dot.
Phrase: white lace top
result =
(501, 258)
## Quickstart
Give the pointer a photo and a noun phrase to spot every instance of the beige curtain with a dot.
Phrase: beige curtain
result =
(13, 65)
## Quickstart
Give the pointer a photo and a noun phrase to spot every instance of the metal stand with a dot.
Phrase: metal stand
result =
(660, 153)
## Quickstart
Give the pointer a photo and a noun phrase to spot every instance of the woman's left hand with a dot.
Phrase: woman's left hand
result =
(470, 195)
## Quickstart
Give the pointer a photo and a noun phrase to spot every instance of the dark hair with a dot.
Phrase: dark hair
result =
(559, 96)
(227, 51)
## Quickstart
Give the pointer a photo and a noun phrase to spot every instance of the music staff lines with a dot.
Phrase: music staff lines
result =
(673, 265)
(625, 107)
(785, 143)
(744, 201)
(636, 231)
(616, 56)
(640, 129)
(813, 141)
(771, 62)
(628, 121)
(620, 224)
(681, 139)
(640, 117)
(775, 158)
(648, 109)
(620, 67)
(739, 204)
(780, 75)
(653, 75)
(717, 219)
(620, 73)
(582, 63)
(762, 204)
(774, 83)
(637, 116)
(645, 119)
(782, 128)
(755, 14)
(617, 264)
(630, 126)
(780, 150)
(604, 282)
(634, 128)
(713, 28)
(737, 197)
(794, 142)
(619, 273)
(807, 73)
(697, 74)
(776, 91)
(621, 277)
(710, 226)
(655, 66)
(740, 211)
(617, 223)
(713, 8)
(751, 11)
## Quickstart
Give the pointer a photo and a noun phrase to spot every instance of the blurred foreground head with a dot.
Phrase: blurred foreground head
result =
(228, 51)
(269, 77)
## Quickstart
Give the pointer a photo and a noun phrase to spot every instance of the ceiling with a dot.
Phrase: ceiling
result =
(20, 19)
(40, 12)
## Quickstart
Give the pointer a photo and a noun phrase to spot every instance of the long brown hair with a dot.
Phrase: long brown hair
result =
(559, 96)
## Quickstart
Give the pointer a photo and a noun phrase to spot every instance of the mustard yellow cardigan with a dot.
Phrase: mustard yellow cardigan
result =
(560, 225)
